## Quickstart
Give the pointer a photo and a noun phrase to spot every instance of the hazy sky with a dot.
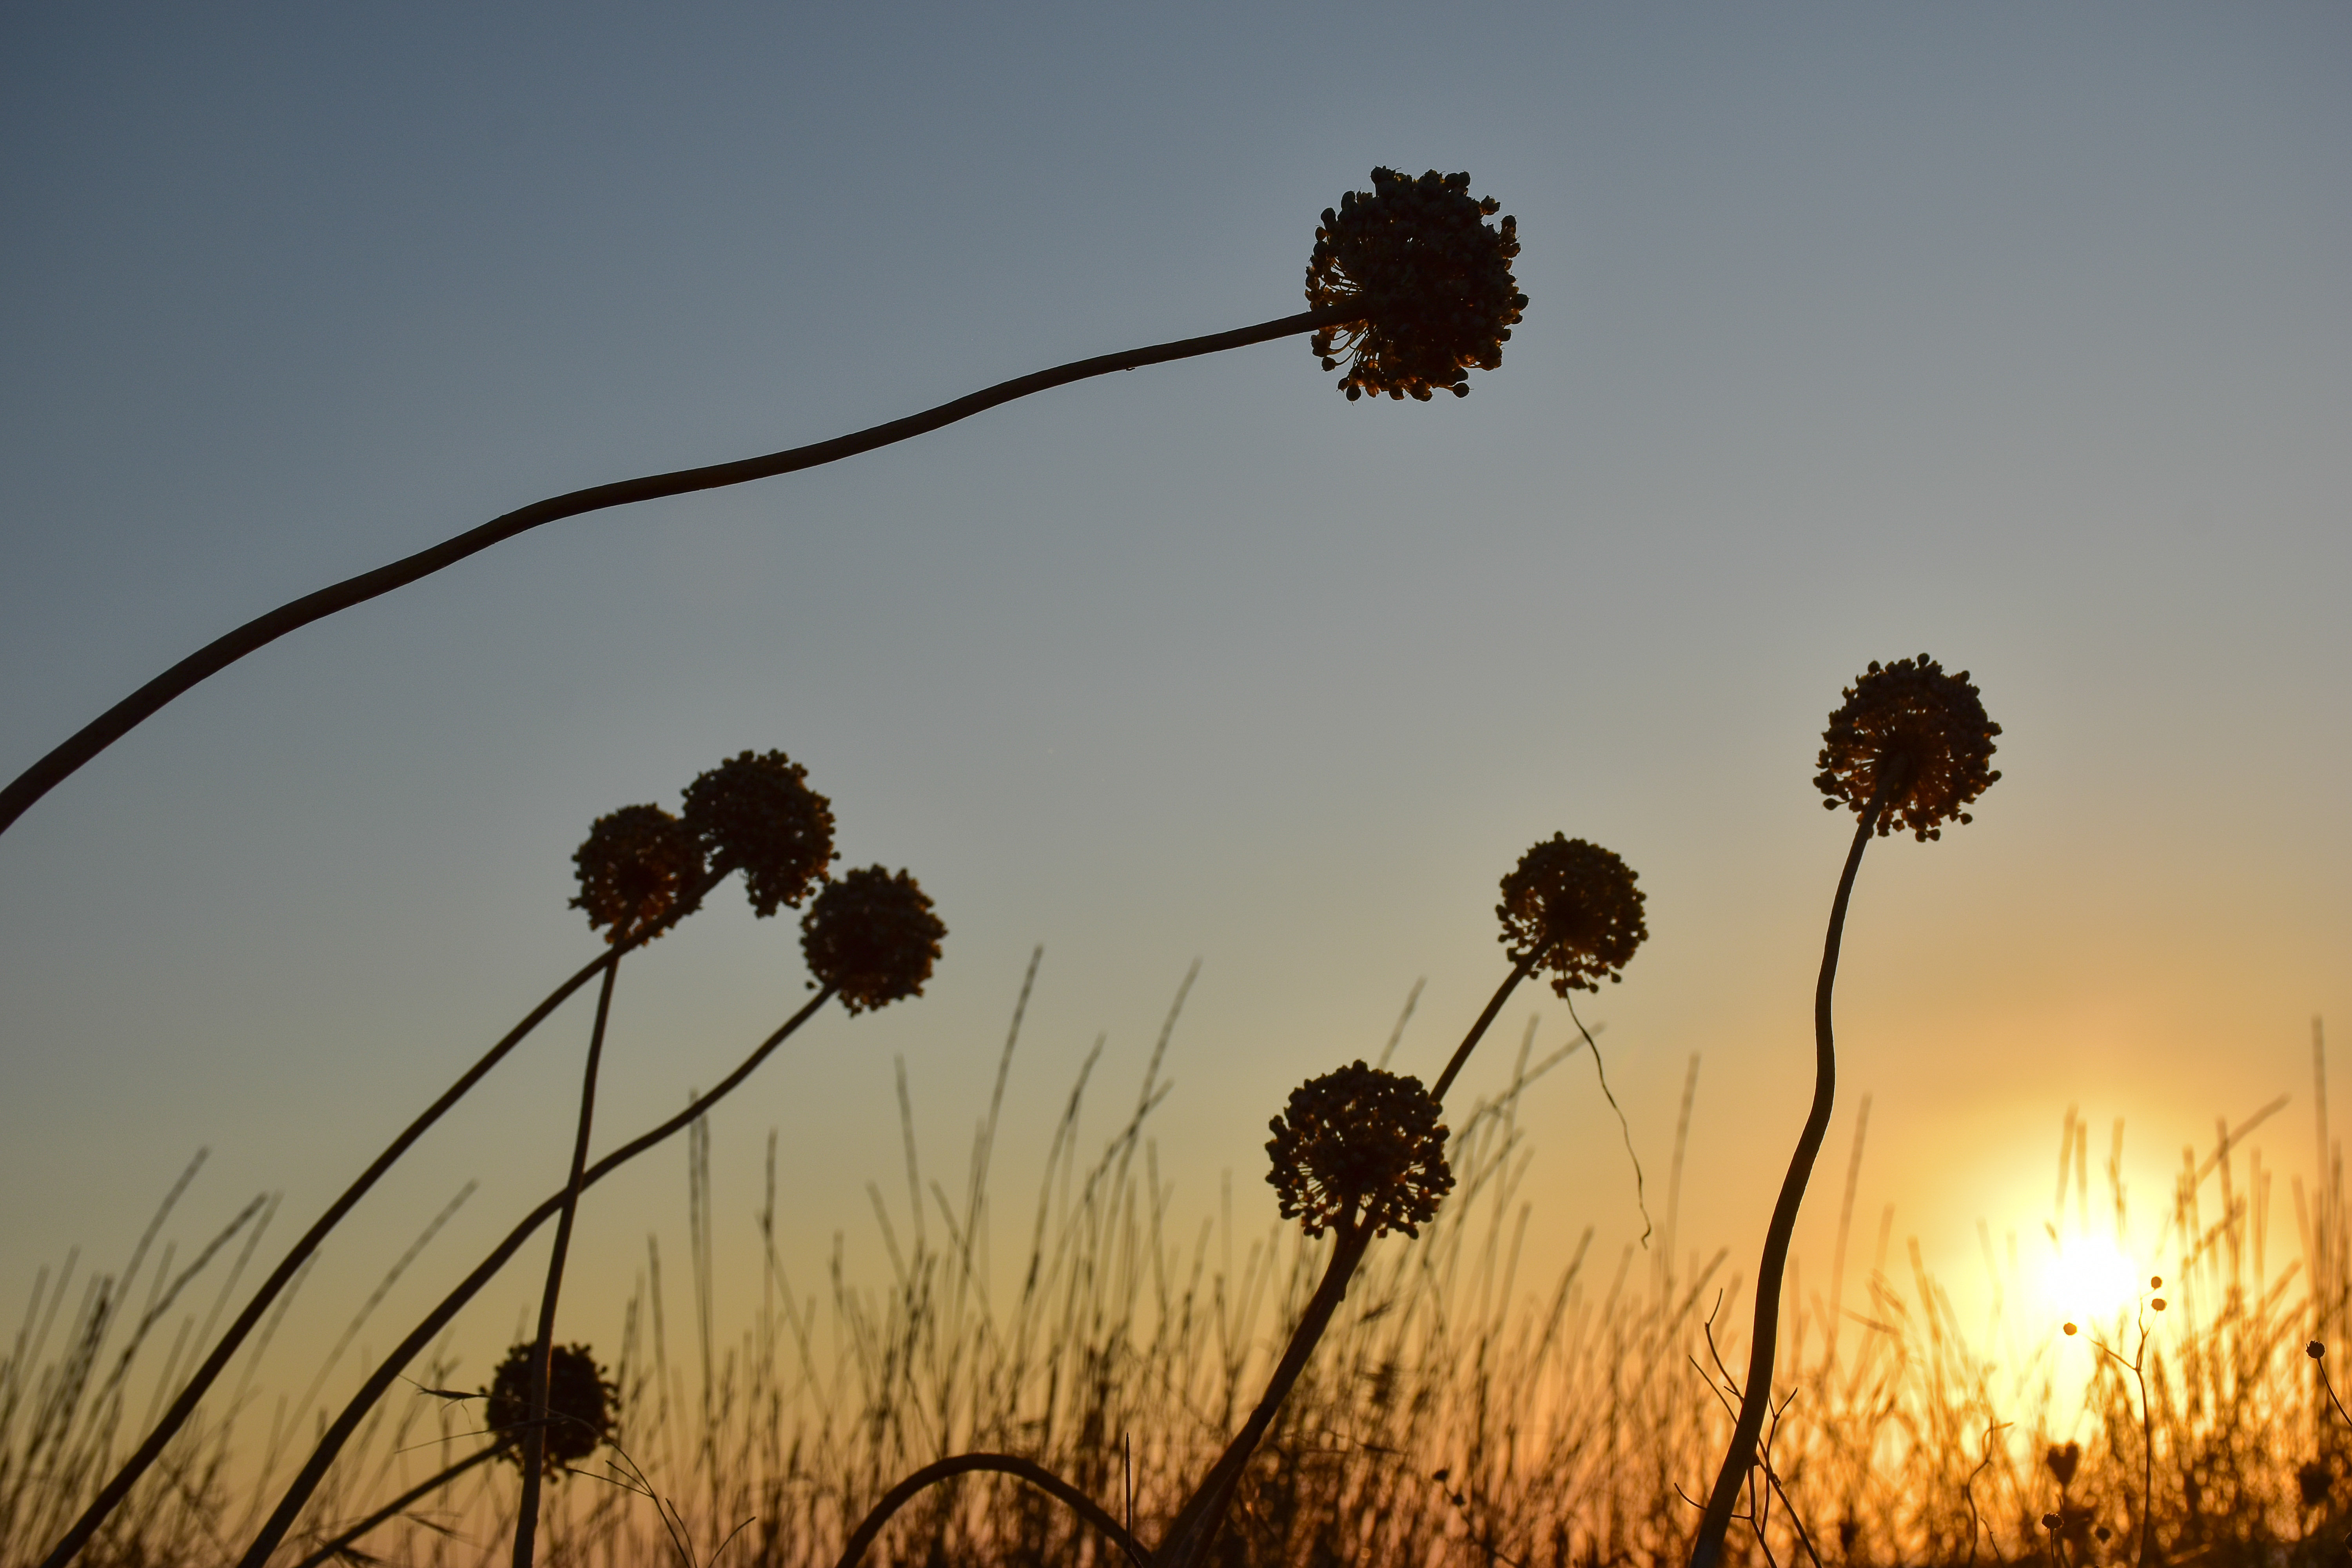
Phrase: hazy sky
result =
(2019, 334)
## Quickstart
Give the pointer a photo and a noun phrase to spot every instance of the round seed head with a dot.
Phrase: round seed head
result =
(581, 1405)
(872, 937)
(1431, 278)
(634, 867)
(1359, 1148)
(1573, 907)
(1921, 734)
(756, 813)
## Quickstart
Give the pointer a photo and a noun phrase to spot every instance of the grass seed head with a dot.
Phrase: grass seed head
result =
(581, 1405)
(1432, 278)
(1574, 908)
(755, 813)
(1921, 733)
(1360, 1147)
(634, 868)
(872, 937)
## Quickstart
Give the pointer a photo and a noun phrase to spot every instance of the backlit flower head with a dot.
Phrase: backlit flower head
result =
(1916, 732)
(634, 867)
(755, 813)
(872, 937)
(581, 1405)
(1431, 276)
(1360, 1147)
(1572, 907)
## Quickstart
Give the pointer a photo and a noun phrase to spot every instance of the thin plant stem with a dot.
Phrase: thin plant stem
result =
(1756, 1400)
(421, 1489)
(1029, 1471)
(151, 1447)
(1520, 971)
(542, 1350)
(331, 1443)
(262, 630)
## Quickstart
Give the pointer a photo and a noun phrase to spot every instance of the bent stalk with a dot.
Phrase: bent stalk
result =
(262, 630)
(1755, 1403)
(1035, 1474)
(388, 1371)
(421, 1489)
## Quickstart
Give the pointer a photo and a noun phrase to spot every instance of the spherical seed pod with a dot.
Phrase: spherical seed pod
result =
(1574, 908)
(1917, 732)
(634, 868)
(872, 937)
(755, 813)
(582, 1405)
(1432, 280)
(1359, 1148)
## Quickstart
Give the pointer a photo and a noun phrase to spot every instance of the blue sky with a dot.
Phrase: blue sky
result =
(2016, 334)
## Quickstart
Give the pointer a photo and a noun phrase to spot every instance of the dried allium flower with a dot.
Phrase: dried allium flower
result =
(1431, 279)
(1921, 734)
(634, 868)
(872, 937)
(756, 813)
(1573, 907)
(581, 1403)
(1359, 1148)
(2063, 1462)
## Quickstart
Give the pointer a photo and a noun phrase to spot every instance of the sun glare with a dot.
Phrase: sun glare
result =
(2090, 1280)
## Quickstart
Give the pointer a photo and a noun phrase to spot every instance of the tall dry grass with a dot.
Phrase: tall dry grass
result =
(1456, 1412)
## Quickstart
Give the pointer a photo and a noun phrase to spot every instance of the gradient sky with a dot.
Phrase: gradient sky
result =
(2017, 335)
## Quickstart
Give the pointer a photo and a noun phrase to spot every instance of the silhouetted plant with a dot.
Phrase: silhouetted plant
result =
(895, 913)
(1432, 280)
(1417, 287)
(871, 937)
(1909, 747)
(581, 1409)
(755, 813)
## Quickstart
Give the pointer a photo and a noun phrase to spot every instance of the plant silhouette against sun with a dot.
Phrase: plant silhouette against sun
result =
(582, 1408)
(1407, 281)
(1909, 747)
(1360, 1146)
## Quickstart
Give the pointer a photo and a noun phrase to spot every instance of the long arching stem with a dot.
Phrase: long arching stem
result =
(421, 1489)
(542, 1349)
(1757, 1399)
(387, 1371)
(262, 630)
(1520, 971)
(1188, 1538)
(151, 1447)
(1035, 1474)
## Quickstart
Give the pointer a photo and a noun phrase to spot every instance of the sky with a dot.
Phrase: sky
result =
(2020, 335)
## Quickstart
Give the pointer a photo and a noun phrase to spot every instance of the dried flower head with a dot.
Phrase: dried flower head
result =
(1574, 908)
(2063, 1462)
(634, 867)
(756, 813)
(2315, 1480)
(1359, 1148)
(872, 937)
(1916, 732)
(1431, 279)
(581, 1403)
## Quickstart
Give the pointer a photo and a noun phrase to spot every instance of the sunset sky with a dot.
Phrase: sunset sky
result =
(2021, 335)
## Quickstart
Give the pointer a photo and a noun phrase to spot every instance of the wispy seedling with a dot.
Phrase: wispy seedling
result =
(1910, 747)
(1406, 281)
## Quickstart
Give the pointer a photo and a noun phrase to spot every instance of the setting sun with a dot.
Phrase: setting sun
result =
(2089, 1279)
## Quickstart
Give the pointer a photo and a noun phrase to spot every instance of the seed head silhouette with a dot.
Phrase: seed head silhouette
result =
(1573, 907)
(1432, 278)
(634, 868)
(1359, 1148)
(581, 1405)
(872, 937)
(756, 813)
(1921, 734)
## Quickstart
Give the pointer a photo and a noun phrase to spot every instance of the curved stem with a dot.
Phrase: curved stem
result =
(151, 1447)
(396, 1505)
(1756, 1401)
(331, 1443)
(1188, 1538)
(542, 1349)
(262, 630)
(1520, 971)
(1037, 1475)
